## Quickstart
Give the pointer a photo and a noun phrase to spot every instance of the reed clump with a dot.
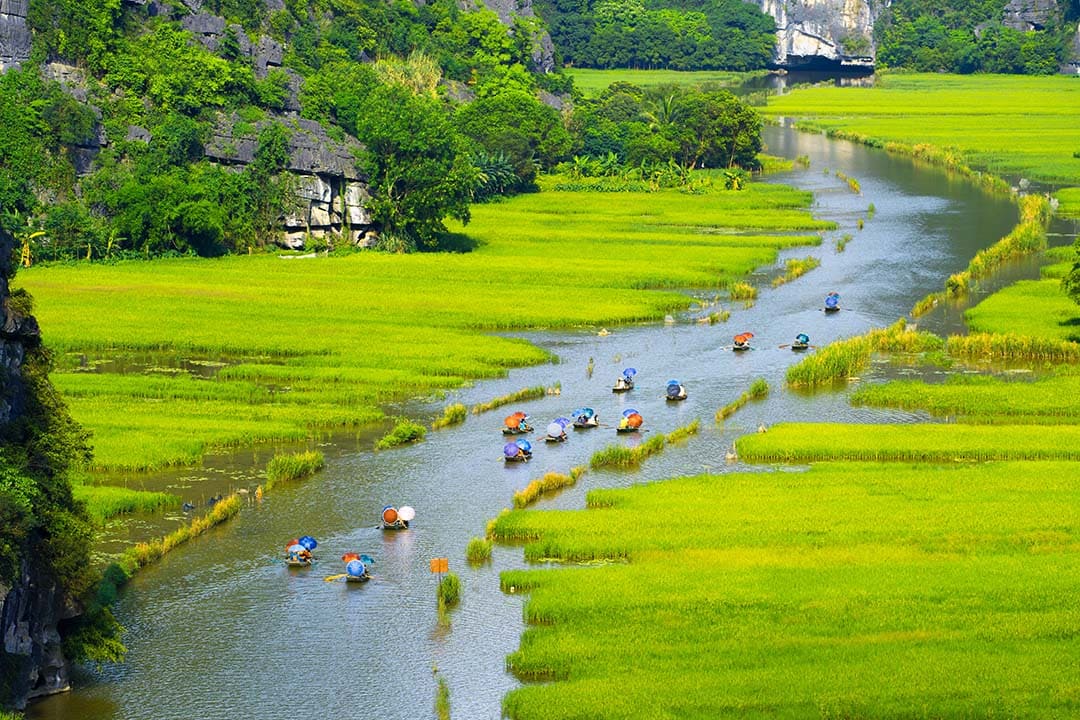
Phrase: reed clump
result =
(452, 415)
(403, 433)
(846, 358)
(758, 390)
(529, 393)
(742, 291)
(442, 700)
(550, 483)
(478, 551)
(682, 433)
(620, 456)
(842, 241)
(927, 304)
(796, 268)
(292, 466)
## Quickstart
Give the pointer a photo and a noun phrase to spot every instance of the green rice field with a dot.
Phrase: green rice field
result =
(809, 442)
(1037, 308)
(1006, 124)
(289, 347)
(592, 82)
(850, 590)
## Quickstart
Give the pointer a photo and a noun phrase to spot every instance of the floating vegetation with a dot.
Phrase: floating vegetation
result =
(870, 211)
(404, 432)
(842, 241)
(478, 551)
(852, 183)
(550, 483)
(530, 393)
(292, 466)
(759, 390)
(442, 700)
(796, 268)
(742, 291)
(859, 223)
(452, 415)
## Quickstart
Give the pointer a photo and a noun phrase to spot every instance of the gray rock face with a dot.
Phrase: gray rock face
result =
(332, 196)
(14, 33)
(826, 34)
(543, 56)
(210, 30)
(1031, 14)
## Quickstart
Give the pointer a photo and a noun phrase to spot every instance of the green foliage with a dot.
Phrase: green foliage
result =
(529, 393)
(449, 590)
(107, 501)
(549, 484)
(692, 35)
(845, 358)
(404, 432)
(452, 415)
(442, 700)
(293, 466)
(758, 390)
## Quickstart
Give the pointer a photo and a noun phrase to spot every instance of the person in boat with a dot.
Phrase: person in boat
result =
(802, 340)
(675, 390)
(832, 301)
(585, 417)
(556, 431)
(742, 340)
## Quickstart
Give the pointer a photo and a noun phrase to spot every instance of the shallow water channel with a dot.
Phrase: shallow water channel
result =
(221, 629)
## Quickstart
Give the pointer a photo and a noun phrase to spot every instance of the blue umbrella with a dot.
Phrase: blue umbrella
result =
(673, 382)
(803, 338)
(295, 549)
(308, 542)
(629, 411)
(510, 450)
(355, 568)
(524, 445)
(629, 372)
(563, 421)
(366, 559)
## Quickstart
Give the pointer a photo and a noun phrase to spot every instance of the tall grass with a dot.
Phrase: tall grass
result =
(478, 551)
(1009, 346)
(107, 501)
(745, 594)
(442, 700)
(810, 442)
(405, 432)
(758, 390)
(845, 358)
(550, 483)
(742, 291)
(1028, 237)
(292, 466)
(452, 415)
(529, 393)
(1032, 308)
(680, 434)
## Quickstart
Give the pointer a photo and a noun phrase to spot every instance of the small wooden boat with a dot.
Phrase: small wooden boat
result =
(517, 458)
(675, 391)
(740, 348)
(627, 429)
(517, 430)
(357, 578)
(675, 398)
(398, 524)
(559, 439)
(832, 309)
(622, 386)
(800, 346)
(298, 562)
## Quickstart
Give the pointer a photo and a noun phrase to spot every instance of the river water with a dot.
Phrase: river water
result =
(220, 629)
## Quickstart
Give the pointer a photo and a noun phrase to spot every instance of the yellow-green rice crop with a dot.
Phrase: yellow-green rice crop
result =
(530, 393)
(145, 553)
(620, 456)
(742, 291)
(982, 399)
(845, 358)
(796, 268)
(758, 390)
(592, 82)
(808, 442)
(1007, 124)
(324, 342)
(293, 466)
(478, 551)
(1010, 346)
(682, 433)
(1032, 308)
(853, 590)
(107, 501)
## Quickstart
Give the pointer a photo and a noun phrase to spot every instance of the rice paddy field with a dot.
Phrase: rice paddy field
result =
(165, 361)
(1036, 308)
(849, 590)
(1007, 124)
(592, 82)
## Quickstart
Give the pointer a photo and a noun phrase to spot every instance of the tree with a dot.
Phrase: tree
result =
(418, 166)
(718, 131)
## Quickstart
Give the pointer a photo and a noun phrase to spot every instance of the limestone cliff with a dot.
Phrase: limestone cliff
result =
(14, 33)
(823, 34)
(32, 605)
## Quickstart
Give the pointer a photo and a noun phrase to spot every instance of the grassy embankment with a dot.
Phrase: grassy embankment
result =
(310, 344)
(851, 590)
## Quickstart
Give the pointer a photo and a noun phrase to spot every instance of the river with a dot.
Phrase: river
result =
(220, 629)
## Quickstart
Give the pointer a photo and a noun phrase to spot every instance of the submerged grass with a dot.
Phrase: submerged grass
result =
(371, 328)
(849, 590)
(478, 551)
(759, 390)
(810, 442)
